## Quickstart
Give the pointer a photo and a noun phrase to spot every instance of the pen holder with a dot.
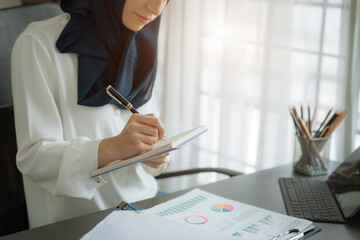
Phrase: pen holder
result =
(311, 157)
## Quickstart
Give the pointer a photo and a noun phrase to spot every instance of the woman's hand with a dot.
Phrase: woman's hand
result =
(158, 161)
(139, 135)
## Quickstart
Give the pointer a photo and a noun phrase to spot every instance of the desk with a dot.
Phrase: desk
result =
(260, 189)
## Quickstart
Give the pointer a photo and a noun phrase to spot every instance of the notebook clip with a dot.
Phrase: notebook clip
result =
(127, 206)
(294, 230)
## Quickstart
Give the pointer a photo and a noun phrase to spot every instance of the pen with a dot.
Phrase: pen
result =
(337, 121)
(313, 118)
(328, 124)
(318, 131)
(297, 237)
(309, 119)
(120, 99)
(296, 124)
(294, 230)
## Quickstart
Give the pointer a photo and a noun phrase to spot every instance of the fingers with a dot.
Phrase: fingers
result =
(148, 130)
(139, 135)
(146, 125)
(152, 121)
(146, 139)
(157, 161)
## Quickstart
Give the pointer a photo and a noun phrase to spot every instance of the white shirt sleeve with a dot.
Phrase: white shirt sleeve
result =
(60, 167)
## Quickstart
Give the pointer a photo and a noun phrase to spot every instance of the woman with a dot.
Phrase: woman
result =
(67, 126)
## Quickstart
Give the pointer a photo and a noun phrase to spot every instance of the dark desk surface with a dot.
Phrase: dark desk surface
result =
(260, 189)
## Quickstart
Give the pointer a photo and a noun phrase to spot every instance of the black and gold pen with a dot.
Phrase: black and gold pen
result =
(112, 92)
(120, 99)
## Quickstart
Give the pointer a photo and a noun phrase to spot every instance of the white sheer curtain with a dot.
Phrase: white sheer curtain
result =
(352, 131)
(237, 65)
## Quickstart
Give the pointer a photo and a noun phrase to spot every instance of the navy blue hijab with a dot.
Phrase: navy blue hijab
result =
(108, 52)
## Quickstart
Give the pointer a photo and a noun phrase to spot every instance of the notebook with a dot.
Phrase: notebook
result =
(163, 146)
(335, 200)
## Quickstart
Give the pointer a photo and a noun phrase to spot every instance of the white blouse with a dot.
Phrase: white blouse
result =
(58, 140)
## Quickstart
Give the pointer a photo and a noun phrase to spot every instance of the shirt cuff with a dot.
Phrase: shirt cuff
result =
(79, 160)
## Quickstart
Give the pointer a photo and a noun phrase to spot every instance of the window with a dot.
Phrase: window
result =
(243, 54)
(243, 63)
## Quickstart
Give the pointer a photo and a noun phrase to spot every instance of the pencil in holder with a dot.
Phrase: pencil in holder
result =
(311, 156)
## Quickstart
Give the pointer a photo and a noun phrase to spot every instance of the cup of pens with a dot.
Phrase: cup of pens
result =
(311, 156)
(312, 148)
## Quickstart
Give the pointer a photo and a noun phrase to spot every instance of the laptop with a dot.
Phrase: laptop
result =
(335, 200)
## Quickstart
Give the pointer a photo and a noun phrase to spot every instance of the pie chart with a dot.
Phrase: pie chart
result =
(222, 207)
(196, 219)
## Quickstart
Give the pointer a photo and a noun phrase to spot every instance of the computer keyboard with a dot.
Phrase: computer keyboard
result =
(309, 199)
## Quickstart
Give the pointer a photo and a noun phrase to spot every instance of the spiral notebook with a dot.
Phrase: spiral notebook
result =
(170, 144)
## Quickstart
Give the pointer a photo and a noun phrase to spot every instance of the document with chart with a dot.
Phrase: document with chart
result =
(202, 210)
